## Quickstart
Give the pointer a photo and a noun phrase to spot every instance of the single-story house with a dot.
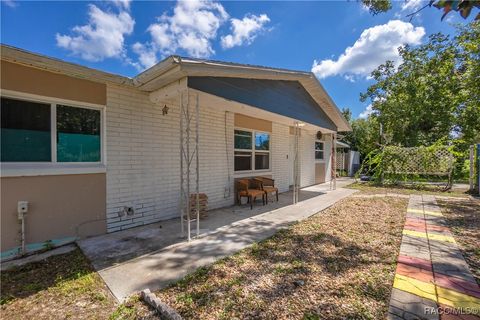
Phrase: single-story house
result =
(92, 152)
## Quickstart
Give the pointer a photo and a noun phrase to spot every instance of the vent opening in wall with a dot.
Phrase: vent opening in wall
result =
(126, 211)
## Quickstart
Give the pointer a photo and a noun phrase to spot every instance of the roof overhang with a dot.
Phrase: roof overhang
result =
(175, 68)
(341, 144)
(27, 58)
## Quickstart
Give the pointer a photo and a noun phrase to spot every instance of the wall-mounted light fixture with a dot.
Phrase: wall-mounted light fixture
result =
(165, 110)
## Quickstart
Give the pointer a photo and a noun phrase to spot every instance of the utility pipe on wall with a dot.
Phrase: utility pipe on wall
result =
(22, 209)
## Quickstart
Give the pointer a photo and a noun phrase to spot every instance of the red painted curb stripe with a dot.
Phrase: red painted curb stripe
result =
(431, 227)
(414, 272)
(415, 219)
(415, 228)
(415, 262)
(459, 285)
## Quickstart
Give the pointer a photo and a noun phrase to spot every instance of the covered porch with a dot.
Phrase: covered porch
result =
(283, 111)
(154, 255)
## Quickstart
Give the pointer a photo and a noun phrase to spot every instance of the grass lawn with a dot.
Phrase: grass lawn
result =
(370, 188)
(60, 287)
(338, 264)
(463, 218)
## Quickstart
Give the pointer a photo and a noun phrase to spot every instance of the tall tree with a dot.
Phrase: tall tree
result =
(433, 93)
(364, 136)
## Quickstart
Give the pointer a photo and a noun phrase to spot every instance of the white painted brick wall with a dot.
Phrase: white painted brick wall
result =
(327, 154)
(143, 158)
(279, 152)
(307, 158)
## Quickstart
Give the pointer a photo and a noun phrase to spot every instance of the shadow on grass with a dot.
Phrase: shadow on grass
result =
(24, 281)
(330, 267)
(438, 189)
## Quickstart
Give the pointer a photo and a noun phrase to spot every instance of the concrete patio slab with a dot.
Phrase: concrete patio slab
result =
(116, 256)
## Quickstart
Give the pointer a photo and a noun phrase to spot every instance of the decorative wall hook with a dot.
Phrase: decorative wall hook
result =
(165, 110)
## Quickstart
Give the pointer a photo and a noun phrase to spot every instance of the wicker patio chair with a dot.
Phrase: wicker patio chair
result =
(268, 186)
(245, 189)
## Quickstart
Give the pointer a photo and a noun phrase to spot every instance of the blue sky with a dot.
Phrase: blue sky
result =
(339, 41)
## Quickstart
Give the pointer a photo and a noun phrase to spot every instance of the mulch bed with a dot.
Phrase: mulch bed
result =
(338, 264)
(463, 217)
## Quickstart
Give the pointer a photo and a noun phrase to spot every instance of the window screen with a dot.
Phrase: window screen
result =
(243, 140)
(78, 134)
(262, 161)
(319, 150)
(262, 141)
(243, 161)
(25, 131)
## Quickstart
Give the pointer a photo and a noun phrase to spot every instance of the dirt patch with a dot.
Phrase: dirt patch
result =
(338, 264)
(370, 188)
(63, 286)
(463, 217)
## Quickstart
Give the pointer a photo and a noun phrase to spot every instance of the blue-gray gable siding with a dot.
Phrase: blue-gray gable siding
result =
(287, 98)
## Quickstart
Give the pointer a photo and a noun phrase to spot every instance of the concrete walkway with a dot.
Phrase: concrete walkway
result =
(432, 276)
(156, 269)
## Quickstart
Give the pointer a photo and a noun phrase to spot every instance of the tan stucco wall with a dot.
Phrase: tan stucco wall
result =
(35, 81)
(57, 205)
(319, 172)
(247, 122)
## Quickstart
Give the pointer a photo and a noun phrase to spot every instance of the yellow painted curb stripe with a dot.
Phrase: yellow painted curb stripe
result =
(415, 210)
(415, 233)
(428, 290)
(431, 236)
(440, 237)
(434, 213)
(456, 299)
(414, 286)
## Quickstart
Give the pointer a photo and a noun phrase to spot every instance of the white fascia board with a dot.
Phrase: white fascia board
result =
(169, 92)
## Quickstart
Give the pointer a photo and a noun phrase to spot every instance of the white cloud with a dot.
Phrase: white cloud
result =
(367, 112)
(192, 27)
(146, 55)
(413, 5)
(122, 4)
(245, 30)
(103, 36)
(375, 46)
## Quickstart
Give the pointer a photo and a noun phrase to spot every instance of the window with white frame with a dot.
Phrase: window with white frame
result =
(42, 132)
(318, 150)
(252, 150)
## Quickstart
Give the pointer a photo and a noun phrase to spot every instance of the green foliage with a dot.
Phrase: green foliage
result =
(364, 136)
(463, 7)
(394, 164)
(48, 245)
(377, 6)
(433, 93)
